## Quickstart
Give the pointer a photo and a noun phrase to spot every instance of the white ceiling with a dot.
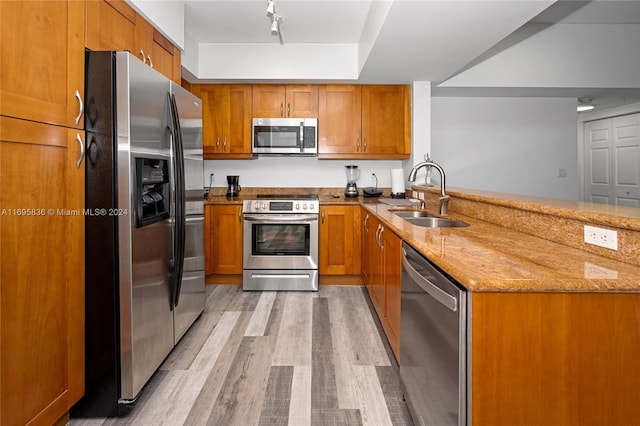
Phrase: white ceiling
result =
(378, 41)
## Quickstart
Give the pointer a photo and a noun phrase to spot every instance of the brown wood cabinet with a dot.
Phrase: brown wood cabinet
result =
(382, 271)
(226, 120)
(339, 120)
(279, 100)
(113, 26)
(555, 358)
(42, 61)
(223, 239)
(369, 121)
(42, 271)
(340, 239)
(117, 26)
(386, 121)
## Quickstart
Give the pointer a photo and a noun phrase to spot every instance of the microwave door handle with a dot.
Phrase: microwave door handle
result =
(301, 136)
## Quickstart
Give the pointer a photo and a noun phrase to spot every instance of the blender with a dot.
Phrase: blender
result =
(353, 174)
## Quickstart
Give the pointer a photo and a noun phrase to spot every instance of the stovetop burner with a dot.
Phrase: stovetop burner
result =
(288, 196)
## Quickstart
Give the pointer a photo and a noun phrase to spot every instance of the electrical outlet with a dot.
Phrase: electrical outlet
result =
(420, 195)
(562, 173)
(606, 238)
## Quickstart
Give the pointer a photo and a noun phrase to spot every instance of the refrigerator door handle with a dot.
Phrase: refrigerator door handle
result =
(179, 248)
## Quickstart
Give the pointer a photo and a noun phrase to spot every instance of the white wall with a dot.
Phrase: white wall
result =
(513, 145)
(288, 172)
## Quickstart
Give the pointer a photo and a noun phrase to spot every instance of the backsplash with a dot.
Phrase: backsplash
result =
(552, 221)
(292, 172)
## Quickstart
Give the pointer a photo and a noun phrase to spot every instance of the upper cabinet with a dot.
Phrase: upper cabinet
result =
(371, 121)
(157, 51)
(339, 126)
(226, 120)
(113, 26)
(291, 100)
(116, 26)
(42, 61)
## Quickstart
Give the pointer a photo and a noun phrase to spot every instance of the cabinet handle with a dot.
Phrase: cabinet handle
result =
(378, 235)
(366, 219)
(218, 144)
(358, 145)
(79, 162)
(80, 106)
(144, 59)
(150, 61)
(288, 110)
(380, 238)
(281, 106)
(365, 145)
(322, 216)
(224, 144)
(240, 216)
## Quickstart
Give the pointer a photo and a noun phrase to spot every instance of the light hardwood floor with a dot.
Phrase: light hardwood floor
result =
(276, 358)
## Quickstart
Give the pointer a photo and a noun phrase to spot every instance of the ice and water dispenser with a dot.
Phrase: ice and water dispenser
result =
(152, 190)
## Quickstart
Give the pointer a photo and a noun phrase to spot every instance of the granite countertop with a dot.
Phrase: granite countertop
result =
(489, 258)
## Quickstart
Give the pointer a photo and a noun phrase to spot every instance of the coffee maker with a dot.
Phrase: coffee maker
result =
(353, 174)
(234, 187)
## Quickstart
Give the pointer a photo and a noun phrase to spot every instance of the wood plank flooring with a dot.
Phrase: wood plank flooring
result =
(275, 358)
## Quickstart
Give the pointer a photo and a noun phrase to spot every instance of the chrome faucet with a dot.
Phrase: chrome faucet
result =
(444, 198)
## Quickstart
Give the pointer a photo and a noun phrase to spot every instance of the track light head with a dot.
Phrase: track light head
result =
(275, 25)
(271, 8)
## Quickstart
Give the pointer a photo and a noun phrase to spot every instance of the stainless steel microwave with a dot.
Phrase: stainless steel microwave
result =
(285, 136)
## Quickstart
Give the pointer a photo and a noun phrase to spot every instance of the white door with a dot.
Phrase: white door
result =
(598, 173)
(612, 160)
(626, 146)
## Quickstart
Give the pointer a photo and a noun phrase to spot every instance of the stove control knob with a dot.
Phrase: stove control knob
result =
(256, 205)
(311, 206)
(264, 205)
(304, 206)
(297, 206)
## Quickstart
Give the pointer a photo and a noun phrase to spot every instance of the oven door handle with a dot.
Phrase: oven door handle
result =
(281, 218)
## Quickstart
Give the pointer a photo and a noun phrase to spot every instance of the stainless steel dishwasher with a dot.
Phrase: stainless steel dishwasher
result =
(433, 343)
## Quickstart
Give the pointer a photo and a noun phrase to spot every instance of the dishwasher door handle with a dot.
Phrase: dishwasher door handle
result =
(441, 296)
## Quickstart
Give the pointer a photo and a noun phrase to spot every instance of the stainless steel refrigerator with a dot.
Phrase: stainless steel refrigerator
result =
(144, 220)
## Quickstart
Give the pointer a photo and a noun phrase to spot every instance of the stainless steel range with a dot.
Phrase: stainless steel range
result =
(280, 250)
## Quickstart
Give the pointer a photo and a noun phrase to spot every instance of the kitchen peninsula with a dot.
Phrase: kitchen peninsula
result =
(554, 330)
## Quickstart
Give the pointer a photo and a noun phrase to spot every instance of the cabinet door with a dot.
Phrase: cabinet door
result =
(367, 235)
(211, 96)
(42, 61)
(236, 120)
(302, 101)
(42, 272)
(269, 100)
(386, 127)
(376, 283)
(225, 239)
(339, 237)
(392, 266)
(339, 110)
(156, 50)
(111, 26)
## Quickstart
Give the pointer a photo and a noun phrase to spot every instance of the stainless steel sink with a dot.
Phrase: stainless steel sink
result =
(412, 214)
(436, 222)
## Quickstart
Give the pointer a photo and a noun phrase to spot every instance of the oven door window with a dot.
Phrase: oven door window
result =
(276, 136)
(280, 239)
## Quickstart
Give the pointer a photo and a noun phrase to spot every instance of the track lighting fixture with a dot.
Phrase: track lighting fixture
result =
(275, 20)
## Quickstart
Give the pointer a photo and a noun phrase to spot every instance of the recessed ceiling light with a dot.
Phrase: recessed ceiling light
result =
(584, 104)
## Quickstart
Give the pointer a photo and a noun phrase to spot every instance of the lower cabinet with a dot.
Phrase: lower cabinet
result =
(223, 239)
(382, 273)
(339, 245)
(42, 271)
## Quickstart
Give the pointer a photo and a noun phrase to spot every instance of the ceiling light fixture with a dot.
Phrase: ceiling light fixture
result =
(276, 20)
(584, 104)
